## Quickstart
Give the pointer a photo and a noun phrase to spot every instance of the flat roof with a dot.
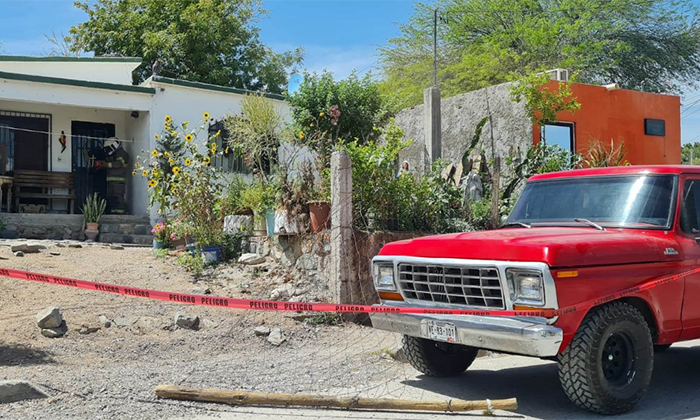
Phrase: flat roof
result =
(78, 83)
(620, 170)
(26, 58)
(208, 86)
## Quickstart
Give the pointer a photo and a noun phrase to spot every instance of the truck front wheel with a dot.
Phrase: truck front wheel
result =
(607, 367)
(435, 358)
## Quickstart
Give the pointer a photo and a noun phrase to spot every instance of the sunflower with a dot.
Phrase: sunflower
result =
(176, 170)
(168, 119)
(321, 114)
(218, 133)
(133, 173)
(189, 138)
(206, 115)
(157, 137)
(151, 183)
(171, 161)
(213, 147)
(301, 134)
(207, 160)
(166, 154)
(188, 162)
(138, 165)
(154, 153)
(155, 172)
(144, 173)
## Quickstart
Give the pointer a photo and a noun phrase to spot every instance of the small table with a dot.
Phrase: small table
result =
(6, 180)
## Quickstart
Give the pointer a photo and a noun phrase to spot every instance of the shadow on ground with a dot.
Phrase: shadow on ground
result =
(673, 393)
(18, 355)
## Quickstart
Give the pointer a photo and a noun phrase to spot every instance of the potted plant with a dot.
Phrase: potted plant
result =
(93, 210)
(161, 235)
(320, 208)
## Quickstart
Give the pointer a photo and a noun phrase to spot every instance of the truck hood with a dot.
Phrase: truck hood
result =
(555, 246)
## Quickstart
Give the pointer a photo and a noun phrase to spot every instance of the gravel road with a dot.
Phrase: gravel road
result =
(112, 374)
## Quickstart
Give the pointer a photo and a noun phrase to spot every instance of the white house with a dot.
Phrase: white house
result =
(48, 101)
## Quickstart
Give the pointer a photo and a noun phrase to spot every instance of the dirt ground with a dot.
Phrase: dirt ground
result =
(113, 372)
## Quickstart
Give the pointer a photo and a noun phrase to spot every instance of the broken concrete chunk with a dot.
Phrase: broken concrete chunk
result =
(262, 331)
(12, 391)
(276, 338)
(187, 321)
(49, 318)
(19, 254)
(105, 322)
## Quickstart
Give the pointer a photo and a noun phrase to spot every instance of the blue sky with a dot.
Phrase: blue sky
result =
(339, 35)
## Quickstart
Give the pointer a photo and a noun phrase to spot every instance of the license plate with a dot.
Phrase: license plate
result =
(442, 331)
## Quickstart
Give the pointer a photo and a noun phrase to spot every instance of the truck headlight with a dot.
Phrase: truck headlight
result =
(525, 286)
(384, 277)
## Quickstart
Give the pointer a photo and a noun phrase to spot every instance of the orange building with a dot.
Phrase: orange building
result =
(649, 124)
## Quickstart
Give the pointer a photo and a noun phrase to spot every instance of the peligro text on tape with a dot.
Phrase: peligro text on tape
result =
(267, 305)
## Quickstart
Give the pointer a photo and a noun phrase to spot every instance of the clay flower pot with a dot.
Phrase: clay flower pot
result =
(320, 213)
(92, 226)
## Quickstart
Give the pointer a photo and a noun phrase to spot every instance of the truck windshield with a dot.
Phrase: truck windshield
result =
(635, 201)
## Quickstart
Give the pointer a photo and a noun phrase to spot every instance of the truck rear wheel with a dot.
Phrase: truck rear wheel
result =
(607, 367)
(435, 358)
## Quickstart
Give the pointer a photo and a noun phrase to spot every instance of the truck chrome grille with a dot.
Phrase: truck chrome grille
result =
(478, 287)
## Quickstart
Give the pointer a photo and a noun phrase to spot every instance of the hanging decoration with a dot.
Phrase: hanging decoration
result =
(62, 140)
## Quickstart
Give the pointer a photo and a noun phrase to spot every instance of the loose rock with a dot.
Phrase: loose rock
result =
(27, 248)
(116, 247)
(262, 331)
(187, 321)
(49, 318)
(105, 322)
(55, 332)
(125, 321)
(251, 259)
(276, 338)
(75, 246)
(19, 254)
(87, 329)
(55, 253)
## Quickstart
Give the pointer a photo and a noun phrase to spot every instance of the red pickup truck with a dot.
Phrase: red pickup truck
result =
(573, 236)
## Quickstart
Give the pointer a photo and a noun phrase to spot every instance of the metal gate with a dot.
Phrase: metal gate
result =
(87, 146)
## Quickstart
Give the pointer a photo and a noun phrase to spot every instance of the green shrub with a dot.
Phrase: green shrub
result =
(231, 246)
(192, 263)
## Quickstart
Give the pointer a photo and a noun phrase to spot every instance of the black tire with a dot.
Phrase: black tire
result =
(607, 367)
(660, 348)
(435, 358)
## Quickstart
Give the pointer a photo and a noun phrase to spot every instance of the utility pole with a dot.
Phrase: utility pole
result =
(435, 22)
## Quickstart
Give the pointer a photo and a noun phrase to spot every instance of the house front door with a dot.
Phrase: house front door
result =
(87, 147)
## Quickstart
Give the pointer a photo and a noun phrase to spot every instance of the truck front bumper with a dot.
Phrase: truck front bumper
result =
(525, 336)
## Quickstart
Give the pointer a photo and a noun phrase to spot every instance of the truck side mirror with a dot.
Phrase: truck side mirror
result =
(504, 219)
(697, 240)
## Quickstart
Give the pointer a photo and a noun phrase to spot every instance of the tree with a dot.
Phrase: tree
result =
(326, 110)
(685, 153)
(212, 41)
(651, 45)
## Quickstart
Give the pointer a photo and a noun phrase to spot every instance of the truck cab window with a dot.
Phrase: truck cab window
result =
(690, 217)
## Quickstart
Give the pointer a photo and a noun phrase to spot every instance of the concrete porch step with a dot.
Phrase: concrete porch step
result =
(126, 228)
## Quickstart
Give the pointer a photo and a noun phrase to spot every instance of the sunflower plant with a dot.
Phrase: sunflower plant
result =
(181, 179)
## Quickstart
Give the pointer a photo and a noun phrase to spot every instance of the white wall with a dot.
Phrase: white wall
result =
(139, 130)
(94, 71)
(61, 118)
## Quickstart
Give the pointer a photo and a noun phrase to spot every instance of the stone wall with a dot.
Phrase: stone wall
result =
(512, 128)
(308, 257)
(113, 228)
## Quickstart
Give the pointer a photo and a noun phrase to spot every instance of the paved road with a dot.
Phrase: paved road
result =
(674, 392)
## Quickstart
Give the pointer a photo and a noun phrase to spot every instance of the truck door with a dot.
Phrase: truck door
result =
(688, 235)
